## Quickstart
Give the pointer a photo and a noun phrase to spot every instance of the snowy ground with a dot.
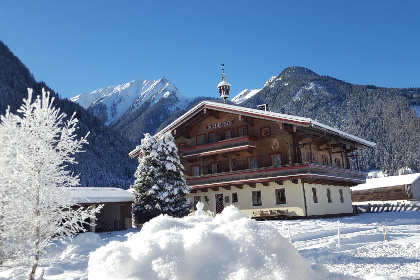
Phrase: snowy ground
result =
(361, 251)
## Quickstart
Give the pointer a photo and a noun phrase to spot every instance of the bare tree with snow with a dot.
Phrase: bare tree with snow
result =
(37, 145)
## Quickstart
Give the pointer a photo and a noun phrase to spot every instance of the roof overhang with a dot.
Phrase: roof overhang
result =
(283, 118)
(247, 112)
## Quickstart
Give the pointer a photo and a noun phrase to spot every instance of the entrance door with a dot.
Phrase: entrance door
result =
(219, 203)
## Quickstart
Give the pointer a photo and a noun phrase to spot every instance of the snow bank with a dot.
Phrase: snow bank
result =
(230, 246)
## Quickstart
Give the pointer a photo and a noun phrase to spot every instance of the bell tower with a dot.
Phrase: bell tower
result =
(223, 86)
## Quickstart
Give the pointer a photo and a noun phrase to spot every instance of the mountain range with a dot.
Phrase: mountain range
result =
(105, 162)
(388, 116)
(117, 116)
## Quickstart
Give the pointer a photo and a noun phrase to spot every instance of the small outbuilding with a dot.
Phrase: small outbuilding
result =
(403, 189)
(116, 213)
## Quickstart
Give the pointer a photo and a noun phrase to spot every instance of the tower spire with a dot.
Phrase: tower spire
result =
(223, 86)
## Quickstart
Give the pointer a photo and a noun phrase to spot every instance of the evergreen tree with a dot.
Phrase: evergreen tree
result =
(144, 202)
(172, 186)
(160, 187)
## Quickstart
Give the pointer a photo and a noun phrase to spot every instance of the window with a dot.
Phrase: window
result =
(234, 197)
(324, 160)
(276, 159)
(256, 198)
(242, 131)
(215, 167)
(329, 195)
(229, 134)
(265, 131)
(213, 137)
(281, 196)
(201, 139)
(196, 200)
(196, 170)
(337, 162)
(341, 195)
(253, 162)
(314, 196)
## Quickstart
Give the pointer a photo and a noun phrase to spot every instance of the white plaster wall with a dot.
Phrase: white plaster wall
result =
(294, 198)
(323, 207)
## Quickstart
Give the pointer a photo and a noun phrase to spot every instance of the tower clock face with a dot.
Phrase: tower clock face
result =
(275, 144)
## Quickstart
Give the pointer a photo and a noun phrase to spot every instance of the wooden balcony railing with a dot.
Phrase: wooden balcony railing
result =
(267, 174)
(228, 145)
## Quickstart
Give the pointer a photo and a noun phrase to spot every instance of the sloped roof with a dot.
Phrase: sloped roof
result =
(299, 121)
(387, 182)
(100, 195)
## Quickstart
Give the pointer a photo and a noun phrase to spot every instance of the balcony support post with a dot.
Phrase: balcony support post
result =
(304, 199)
(331, 159)
(310, 152)
(230, 161)
(357, 162)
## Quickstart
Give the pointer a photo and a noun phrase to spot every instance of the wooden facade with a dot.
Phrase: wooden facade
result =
(264, 161)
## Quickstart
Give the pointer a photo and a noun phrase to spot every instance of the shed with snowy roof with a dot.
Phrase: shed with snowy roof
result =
(267, 164)
(116, 212)
(402, 189)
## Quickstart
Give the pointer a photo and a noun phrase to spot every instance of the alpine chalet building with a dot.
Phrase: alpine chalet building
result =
(267, 164)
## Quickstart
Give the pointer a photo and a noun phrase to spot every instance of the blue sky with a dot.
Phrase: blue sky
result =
(80, 46)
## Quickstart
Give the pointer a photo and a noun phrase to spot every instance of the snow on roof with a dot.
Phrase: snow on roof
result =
(387, 182)
(100, 195)
(265, 115)
(223, 83)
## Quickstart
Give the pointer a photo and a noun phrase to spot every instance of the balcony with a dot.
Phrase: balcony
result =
(223, 146)
(267, 174)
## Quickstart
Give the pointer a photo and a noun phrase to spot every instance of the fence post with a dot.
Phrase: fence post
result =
(338, 234)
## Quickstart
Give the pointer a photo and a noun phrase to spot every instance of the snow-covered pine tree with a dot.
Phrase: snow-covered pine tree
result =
(144, 202)
(36, 147)
(172, 186)
(160, 187)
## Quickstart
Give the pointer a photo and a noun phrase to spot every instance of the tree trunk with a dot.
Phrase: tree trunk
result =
(37, 234)
(37, 255)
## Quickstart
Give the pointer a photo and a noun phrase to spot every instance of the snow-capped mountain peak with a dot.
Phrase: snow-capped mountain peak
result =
(112, 102)
(244, 95)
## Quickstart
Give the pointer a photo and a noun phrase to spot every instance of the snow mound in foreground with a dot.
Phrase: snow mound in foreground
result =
(230, 246)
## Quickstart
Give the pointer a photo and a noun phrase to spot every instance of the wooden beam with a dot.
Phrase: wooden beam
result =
(193, 191)
(252, 185)
(227, 188)
(215, 114)
(265, 183)
(216, 189)
(204, 190)
(248, 120)
(185, 133)
(239, 186)
(280, 182)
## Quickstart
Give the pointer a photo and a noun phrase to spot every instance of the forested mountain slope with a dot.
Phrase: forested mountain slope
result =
(105, 162)
(383, 115)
